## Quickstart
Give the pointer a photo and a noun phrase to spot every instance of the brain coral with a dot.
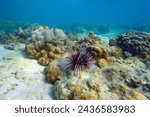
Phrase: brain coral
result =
(135, 43)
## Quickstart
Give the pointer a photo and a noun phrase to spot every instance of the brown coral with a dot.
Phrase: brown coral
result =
(44, 61)
(105, 55)
(52, 76)
(44, 52)
(31, 51)
(101, 56)
(102, 62)
(95, 51)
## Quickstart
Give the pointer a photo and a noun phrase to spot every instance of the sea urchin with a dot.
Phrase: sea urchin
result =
(79, 61)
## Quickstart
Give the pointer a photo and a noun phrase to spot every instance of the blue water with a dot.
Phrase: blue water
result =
(67, 12)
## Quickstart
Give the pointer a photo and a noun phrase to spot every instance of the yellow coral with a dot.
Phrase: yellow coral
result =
(95, 51)
(87, 97)
(44, 61)
(43, 52)
(102, 62)
(52, 76)
(105, 55)
(58, 51)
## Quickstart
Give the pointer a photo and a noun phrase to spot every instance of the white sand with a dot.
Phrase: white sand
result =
(22, 78)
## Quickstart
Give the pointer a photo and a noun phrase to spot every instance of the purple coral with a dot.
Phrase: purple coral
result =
(79, 61)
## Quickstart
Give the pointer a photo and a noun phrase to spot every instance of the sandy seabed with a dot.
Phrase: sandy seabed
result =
(22, 78)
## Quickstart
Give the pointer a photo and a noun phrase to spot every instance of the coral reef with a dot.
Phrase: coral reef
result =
(136, 43)
(74, 68)
(117, 80)
(44, 43)
(106, 83)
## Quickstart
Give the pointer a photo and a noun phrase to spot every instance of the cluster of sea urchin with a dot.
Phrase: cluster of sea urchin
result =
(79, 61)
